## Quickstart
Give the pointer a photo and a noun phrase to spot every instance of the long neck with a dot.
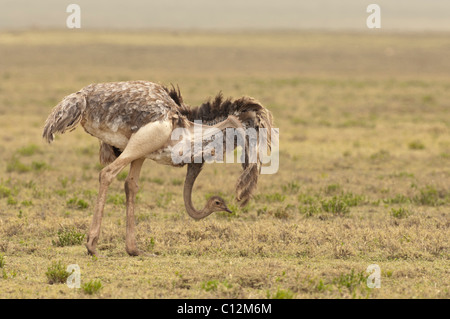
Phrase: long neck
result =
(192, 173)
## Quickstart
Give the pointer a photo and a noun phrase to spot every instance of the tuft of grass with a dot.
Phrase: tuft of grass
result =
(26, 203)
(122, 175)
(307, 199)
(68, 237)
(15, 165)
(150, 243)
(336, 206)
(380, 156)
(275, 197)
(397, 199)
(87, 150)
(39, 166)
(416, 145)
(28, 150)
(63, 181)
(117, 199)
(332, 189)
(176, 182)
(291, 187)
(61, 192)
(282, 212)
(4, 191)
(157, 180)
(57, 273)
(77, 203)
(351, 281)
(402, 175)
(351, 199)
(400, 212)
(91, 287)
(11, 201)
(428, 99)
(310, 210)
(321, 286)
(430, 196)
(163, 200)
(280, 294)
(2, 261)
(210, 285)
(12, 274)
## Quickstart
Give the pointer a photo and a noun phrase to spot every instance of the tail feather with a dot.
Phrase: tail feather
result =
(258, 117)
(246, 183)
(65, 116)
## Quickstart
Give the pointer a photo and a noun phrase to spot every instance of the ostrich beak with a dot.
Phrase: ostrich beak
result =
(228, 210)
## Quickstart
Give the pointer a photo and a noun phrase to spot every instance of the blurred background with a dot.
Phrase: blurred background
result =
(399, 15)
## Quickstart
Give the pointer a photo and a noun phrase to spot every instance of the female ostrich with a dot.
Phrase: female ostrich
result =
(134, 121)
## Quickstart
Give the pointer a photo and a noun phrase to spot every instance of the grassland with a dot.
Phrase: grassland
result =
(364, 172)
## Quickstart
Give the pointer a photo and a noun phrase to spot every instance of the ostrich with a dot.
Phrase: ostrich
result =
(134, 121)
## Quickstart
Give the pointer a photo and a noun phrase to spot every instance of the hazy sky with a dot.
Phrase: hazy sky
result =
(398, 15)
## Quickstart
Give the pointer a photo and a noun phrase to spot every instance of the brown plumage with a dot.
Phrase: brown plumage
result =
(251, 113)
(122, 107)
(134, 121)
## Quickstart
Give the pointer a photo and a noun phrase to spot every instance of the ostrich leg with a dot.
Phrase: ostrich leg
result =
(148, 139)
(106, 177)
(131, 189)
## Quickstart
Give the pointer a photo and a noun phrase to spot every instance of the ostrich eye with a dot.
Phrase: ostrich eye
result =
(217, 202)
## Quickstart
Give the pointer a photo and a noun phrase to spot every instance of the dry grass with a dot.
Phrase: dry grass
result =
(364, 168)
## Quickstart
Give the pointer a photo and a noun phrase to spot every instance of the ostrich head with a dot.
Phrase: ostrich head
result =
(214, 203)
(217, 204)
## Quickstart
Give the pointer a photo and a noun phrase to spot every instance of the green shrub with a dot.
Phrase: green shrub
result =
(430, 196)
(291, 187)
(210, 285)
(416, 145)
(157, 180)
(68, 237)
(122, 175)
(332, 188)
(28, 150)
(57, 273)
(176, 182)
(92, 287)
(38, 166)
(26, 203)
(276, 197)
(351, 280)
(117, 199)
(380, 156)
(398, 199)
(11, 201)
(400, 212)
(310, 210)
(77, 203)
(335, 206)
(4, 191)
(281, 294)
(14, 165)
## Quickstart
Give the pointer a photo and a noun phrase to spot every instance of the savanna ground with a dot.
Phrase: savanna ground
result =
(364, 174)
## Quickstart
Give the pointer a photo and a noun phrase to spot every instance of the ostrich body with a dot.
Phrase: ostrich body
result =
(134, 121)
